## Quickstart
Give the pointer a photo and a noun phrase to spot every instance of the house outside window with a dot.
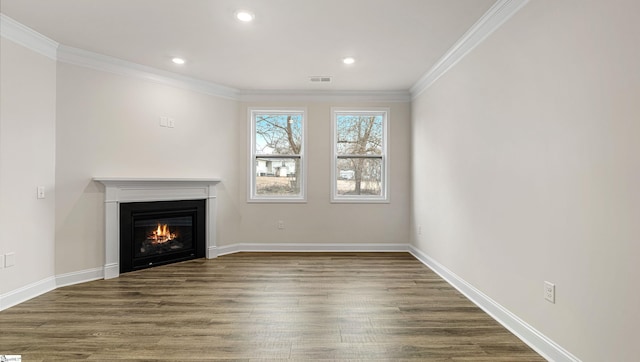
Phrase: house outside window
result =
(360, 155)
(277, 163)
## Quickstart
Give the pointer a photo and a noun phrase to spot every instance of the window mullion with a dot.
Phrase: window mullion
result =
(359, 156)
(276, 156)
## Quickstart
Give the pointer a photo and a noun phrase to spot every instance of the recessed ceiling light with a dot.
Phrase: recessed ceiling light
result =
(178, 61)
(245, 16)
(348, 60)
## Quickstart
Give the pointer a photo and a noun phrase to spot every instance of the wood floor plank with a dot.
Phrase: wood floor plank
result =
(262, 306)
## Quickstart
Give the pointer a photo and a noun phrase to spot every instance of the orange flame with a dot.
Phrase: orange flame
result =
(162, 234)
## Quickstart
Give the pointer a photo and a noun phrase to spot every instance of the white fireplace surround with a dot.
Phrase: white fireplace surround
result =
(120, 189)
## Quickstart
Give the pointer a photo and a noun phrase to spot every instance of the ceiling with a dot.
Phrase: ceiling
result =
(394, 42)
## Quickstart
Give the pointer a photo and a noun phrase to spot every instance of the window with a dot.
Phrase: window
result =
(277, 155)
(359, 162)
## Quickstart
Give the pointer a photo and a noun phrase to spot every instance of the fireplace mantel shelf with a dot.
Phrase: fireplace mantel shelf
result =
(138, 189)
(153, 179)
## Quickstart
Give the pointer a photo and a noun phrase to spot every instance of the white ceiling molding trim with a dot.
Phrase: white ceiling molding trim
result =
(109, 64)
(27, 37)
(497, 15)
(324, 96)
(106, 63)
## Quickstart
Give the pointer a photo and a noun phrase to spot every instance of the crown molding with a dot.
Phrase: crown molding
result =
(324, 96)
(84, 58)
(37, 42)
(27, 37)
(499, 13)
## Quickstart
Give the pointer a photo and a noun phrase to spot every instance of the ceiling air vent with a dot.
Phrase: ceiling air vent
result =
(320, 79)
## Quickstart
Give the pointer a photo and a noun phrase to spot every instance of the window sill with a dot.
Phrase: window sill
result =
(277, 201)
(359, 201)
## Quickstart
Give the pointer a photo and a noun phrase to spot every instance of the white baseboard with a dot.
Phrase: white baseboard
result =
(111, 270)
(228, 249)
(27, 292)
(310, 248)
(529, 335)
(46, 285)
(33, 290)
(212, 252)
(82, 276)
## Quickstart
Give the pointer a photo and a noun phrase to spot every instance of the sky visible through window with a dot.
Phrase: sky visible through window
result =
(279, 134)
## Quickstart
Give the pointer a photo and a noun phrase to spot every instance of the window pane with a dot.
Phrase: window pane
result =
(279, 134)
(359, 134)
(277, 176)
(359, 176)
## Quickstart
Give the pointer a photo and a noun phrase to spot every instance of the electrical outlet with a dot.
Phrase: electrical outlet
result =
(40, 191)
(171, 123)
(280, 225)
(550, 292)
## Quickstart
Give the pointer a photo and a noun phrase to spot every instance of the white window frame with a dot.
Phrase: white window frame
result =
(384, 197)
(252, 195)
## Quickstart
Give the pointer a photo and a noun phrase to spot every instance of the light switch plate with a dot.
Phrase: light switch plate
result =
(9, 260)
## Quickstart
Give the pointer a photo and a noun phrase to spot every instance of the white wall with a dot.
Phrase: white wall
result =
(526, 168)
(318, 220)
(108, 125)
(27, 160)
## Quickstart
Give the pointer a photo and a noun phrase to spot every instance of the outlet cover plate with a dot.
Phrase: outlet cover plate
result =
(550, 292)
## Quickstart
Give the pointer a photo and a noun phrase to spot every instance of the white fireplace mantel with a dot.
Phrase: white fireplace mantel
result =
(120, 189)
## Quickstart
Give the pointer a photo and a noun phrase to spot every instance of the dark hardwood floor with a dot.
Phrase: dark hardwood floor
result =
(262, 306)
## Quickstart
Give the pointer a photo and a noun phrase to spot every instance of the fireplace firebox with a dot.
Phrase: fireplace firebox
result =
(161, 232)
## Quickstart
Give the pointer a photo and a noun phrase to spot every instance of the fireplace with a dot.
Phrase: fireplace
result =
(162, 232)
(128, 190)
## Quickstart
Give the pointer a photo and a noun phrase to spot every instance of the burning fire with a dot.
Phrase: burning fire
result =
(162, 234)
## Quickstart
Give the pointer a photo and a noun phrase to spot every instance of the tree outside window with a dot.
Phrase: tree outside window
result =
(277, 155)
(359, 156)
